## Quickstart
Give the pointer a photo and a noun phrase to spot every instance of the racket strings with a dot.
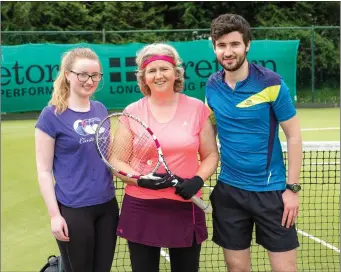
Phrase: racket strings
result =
(144, 153)
(121, 135)
(129, 147)
(104, 139)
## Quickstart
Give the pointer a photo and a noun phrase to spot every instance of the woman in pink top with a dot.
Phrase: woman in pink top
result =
(153, 217)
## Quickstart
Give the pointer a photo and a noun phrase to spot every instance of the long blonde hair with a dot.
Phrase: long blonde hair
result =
(159, 49)
(61, 86)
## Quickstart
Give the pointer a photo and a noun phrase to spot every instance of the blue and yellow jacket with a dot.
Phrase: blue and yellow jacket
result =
(247, 120)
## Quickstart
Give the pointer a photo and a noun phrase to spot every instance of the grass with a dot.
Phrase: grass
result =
(26, 239)
(318, 118)
(321, 95)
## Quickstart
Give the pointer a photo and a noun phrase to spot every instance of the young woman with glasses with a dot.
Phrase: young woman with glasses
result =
(81, 200)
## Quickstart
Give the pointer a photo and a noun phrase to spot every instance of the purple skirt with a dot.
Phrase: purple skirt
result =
(161, 222)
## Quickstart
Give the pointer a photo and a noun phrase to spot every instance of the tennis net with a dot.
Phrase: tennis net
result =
(318, 223)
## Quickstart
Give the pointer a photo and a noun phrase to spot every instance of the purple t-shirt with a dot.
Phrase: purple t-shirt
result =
(82, 178)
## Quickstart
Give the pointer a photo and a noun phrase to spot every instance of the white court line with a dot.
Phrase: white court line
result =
(313, 129)
(304, 233)
(318, 240)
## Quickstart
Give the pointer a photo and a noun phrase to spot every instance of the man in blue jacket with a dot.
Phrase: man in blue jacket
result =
(248, 104)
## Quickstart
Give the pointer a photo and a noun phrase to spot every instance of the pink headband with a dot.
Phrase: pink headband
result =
(154, 58)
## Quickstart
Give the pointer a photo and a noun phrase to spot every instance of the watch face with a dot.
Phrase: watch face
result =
(296, 188)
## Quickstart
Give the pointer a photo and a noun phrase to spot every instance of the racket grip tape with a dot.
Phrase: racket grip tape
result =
(206, 207)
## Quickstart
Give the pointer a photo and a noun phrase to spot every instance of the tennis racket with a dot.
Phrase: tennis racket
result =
(130, 148)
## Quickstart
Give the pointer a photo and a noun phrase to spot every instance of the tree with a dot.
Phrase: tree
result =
(127, 17)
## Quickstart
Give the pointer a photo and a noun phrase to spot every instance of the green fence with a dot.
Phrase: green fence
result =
(318, 61)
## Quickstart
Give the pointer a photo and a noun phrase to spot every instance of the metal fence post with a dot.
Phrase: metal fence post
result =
(312, 63)
(103, 35)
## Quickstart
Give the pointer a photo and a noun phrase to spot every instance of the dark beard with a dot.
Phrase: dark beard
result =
(239, 63)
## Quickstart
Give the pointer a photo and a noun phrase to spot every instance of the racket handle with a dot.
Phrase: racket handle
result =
(206, 207)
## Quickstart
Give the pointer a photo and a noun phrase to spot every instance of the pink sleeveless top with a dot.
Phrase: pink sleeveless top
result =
(179, 140)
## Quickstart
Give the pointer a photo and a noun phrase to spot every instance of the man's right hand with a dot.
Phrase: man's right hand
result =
(59, 228)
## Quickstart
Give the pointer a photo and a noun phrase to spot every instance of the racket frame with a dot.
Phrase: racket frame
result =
(196, 200)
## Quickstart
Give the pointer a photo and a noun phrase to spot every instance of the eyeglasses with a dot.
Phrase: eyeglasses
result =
(83, 77)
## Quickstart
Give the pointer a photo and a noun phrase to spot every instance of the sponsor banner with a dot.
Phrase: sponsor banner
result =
(28, 71)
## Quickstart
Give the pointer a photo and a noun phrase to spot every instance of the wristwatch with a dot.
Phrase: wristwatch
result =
(294, 187)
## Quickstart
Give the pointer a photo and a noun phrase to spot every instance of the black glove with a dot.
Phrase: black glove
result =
(156, 181)
(186, 188)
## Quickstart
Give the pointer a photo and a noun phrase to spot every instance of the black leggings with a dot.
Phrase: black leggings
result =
(147, 258)
(92, 232)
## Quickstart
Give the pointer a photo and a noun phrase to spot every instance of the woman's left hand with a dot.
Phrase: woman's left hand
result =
(188, 187)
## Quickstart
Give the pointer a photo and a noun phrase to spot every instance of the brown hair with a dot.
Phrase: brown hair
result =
(61, 86)
(159, 49)
(227, 23)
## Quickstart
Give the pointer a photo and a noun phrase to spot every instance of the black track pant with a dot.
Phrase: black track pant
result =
(92, 232)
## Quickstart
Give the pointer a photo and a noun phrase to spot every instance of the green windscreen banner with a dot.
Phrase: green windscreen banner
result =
(28, 71)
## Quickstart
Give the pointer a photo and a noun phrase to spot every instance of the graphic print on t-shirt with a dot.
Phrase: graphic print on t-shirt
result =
(87, 126)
